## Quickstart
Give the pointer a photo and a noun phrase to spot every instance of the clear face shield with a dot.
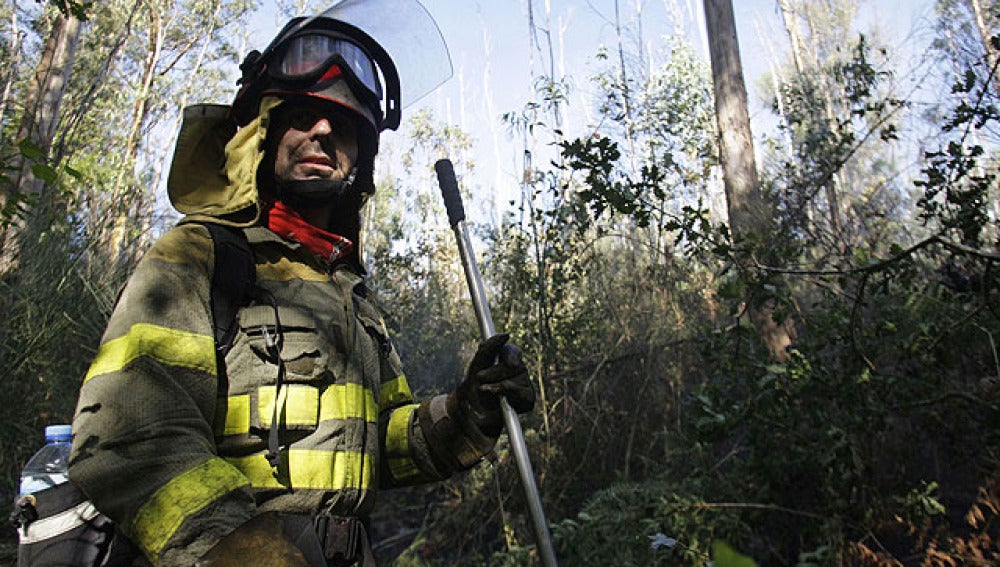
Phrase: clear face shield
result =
(391, 52)
(409, 35)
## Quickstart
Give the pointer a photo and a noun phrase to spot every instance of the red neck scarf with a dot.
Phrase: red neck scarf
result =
(287, 223)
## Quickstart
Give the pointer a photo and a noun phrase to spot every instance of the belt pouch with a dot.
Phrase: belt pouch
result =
(58, 526)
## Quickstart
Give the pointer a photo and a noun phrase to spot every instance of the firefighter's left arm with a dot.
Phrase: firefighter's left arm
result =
(405, 456)
(453, 432)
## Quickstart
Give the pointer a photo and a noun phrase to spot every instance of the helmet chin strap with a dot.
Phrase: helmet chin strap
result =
(313, 192)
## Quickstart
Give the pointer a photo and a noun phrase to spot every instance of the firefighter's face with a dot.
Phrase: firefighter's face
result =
(314, 143)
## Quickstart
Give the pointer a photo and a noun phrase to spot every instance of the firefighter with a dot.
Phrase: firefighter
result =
(268, 449)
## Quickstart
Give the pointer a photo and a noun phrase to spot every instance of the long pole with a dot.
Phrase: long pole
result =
(456, 216)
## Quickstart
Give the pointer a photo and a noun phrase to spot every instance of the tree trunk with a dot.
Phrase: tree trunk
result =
(789, 17)
(985, 33)
(124, 185)
(749, 215)
(16, 37)
(626, 92)
(807, 61)
(38, 125)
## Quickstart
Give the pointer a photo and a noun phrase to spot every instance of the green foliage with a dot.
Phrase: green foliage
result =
(665, 433)
(828, 173)
(652, 523)
(957, 178)
(415, 269)
(79, 10)
(596, 157)
(954, 175)
(17, 202)
(670, 134)
(866, 446)
(55, 311)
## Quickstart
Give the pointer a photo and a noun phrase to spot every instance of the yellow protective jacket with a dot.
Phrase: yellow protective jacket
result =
(176, 456)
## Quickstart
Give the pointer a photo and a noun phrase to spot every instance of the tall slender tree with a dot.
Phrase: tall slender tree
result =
(750, 216)
(37, 129)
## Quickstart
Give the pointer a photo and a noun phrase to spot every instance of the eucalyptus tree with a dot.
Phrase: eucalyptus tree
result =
(591, 263)
(42, 95)
(966, 32)
(649, 193)
(146, 61)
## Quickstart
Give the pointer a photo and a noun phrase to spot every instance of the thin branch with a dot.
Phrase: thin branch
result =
(982, 95)
(883, 264)
(955, 326)
(855, 322)
(965, 396)
(69, 132)
(754, 506)
(600, 365)
(993, 347)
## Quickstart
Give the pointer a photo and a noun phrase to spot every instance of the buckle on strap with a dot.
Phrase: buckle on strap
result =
(344, 539)
(331, 541)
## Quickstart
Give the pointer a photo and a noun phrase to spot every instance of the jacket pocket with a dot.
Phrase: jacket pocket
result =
(253, 366)
(297, 337)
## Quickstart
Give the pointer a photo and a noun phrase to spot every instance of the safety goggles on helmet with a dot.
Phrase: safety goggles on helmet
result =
(309, 58)
(355, 37)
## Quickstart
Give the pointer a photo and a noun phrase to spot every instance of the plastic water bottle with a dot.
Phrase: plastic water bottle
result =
(49, 465)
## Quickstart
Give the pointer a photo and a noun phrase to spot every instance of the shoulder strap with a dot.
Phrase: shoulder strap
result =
(234, 278)
(234, 285)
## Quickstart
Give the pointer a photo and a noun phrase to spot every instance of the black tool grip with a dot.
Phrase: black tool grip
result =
(449, 190)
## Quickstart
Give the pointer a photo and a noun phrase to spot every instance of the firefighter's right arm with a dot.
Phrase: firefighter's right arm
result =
(143, 448)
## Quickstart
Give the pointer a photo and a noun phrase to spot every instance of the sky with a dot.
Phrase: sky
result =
(494, 61)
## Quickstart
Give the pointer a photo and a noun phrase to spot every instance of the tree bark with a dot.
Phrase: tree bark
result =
(16, 37)
(125, 184)
(749, 215)
(38, 125)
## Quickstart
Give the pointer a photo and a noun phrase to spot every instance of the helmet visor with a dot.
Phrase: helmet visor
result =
(409, 34)
(308, 56)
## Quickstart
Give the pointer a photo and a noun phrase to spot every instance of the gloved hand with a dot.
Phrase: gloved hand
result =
(260, 541)
(496, 371)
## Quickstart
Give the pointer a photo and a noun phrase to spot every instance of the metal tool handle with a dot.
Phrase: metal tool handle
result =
(456, 216)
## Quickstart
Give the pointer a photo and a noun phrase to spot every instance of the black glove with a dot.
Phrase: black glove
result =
(496, 371)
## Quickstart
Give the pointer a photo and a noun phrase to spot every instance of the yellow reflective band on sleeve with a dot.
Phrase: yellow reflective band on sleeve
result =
(309, 469)
(345, 401)
(299, 405)
(397, 444)
(236, 420)
(395, 392)
(183, 496)
(163, 344)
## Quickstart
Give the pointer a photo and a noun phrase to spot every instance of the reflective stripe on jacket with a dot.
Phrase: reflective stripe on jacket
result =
(343, 378)
(176, 459)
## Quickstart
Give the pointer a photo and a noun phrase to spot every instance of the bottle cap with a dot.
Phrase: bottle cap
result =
(58, 432)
